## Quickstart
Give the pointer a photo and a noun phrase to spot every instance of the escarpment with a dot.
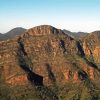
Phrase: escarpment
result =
(44, 55)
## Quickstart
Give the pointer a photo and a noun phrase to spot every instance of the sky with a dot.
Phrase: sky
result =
(72, 15)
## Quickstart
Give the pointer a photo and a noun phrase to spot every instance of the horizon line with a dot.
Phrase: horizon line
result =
(9, 29)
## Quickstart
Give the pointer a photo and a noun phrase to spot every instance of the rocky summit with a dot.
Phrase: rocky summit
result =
(46, 56)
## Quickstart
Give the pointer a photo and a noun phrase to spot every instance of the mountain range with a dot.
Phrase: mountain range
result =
(46, 63)
(76, 35)
(19, 30)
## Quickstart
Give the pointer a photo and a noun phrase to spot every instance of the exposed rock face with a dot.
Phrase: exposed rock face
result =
(46, 53)
(43, 30)
(91, 46)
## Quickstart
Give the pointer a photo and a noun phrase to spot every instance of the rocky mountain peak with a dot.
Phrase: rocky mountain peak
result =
(43, 30)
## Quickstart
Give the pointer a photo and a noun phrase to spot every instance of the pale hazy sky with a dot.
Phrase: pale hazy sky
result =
(73, 15)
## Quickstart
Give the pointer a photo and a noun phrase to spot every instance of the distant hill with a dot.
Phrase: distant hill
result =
(12, 33)
(75, 35)
(1, 35)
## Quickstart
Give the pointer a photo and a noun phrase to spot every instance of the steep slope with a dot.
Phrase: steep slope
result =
(46, 56)
(11, 34)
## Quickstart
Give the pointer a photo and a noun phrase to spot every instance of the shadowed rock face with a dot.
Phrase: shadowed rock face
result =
(45, 55)
(22, 59)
